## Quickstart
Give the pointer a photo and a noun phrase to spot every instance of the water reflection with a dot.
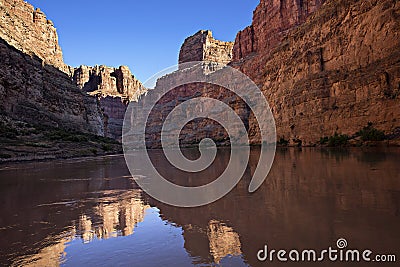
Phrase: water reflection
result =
(223, 240)
(90, 212)
(117, 216)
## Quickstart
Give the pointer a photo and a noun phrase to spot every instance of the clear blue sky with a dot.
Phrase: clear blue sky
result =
(145, 35)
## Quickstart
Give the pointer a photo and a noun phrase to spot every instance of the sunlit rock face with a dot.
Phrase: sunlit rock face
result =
(203, 47)
(114, 88)
(34, 83)
(30, 31)
(325, 68)
(271, 21)
(37, 87)
(108, 81)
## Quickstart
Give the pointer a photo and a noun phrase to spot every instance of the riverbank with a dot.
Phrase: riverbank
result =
(21, 142)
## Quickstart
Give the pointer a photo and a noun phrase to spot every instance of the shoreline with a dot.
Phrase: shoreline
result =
(52, 158)
(55, 160)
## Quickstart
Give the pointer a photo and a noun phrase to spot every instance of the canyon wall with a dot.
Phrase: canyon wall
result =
(34, 86)
(325, 67)
(271, 21)
(38, 87)
(114, 88)
(42, 94)
(200, 128)
(214, 54)
(108, 81)
(203, 47)
(336, 71)
(30, 31)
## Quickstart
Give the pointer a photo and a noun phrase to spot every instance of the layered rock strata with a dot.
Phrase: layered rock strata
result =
(42, 94)
(203, 47)
(107, 81)
(37, 87)
(114, 88)
(28, 30)
(271, 22)
(325, 67)
(336, 72)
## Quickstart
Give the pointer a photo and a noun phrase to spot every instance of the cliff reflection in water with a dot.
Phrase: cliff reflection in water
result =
(58, 213)
(118, 216)
(113, 216)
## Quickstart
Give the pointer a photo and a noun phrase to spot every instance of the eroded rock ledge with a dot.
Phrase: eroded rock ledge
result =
(203, 47)
(108, 81)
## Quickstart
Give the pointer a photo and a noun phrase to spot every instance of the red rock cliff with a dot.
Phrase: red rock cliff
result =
(271, 21)
(30, 31)
(332, 71)
(203, 47)
(32, 90)
(325, 67)
(114, 88)
(108, 81)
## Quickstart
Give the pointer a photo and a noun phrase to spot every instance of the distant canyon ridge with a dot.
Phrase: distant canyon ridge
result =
(325, 67)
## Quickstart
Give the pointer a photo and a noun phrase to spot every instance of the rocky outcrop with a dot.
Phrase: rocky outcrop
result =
(336, 72)
(199, 47)
(197, 129)
(107, 81)
(203, 47)
(114, 88)
(30, 31)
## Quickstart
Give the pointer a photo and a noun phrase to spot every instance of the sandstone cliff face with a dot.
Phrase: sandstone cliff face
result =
(334, 73)
(30, 31)
(114, 88)
(34, 87)
(42, 94)
(34, 91)
(199, 128)
(108, 81)
(203, 47)
(271, 21)
(113, 110)
(199, 47)
(324, 67)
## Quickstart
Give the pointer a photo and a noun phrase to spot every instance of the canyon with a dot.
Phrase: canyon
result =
(326, 67)
(40, 95)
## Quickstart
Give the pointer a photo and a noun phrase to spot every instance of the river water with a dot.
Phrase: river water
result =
(90, 212)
